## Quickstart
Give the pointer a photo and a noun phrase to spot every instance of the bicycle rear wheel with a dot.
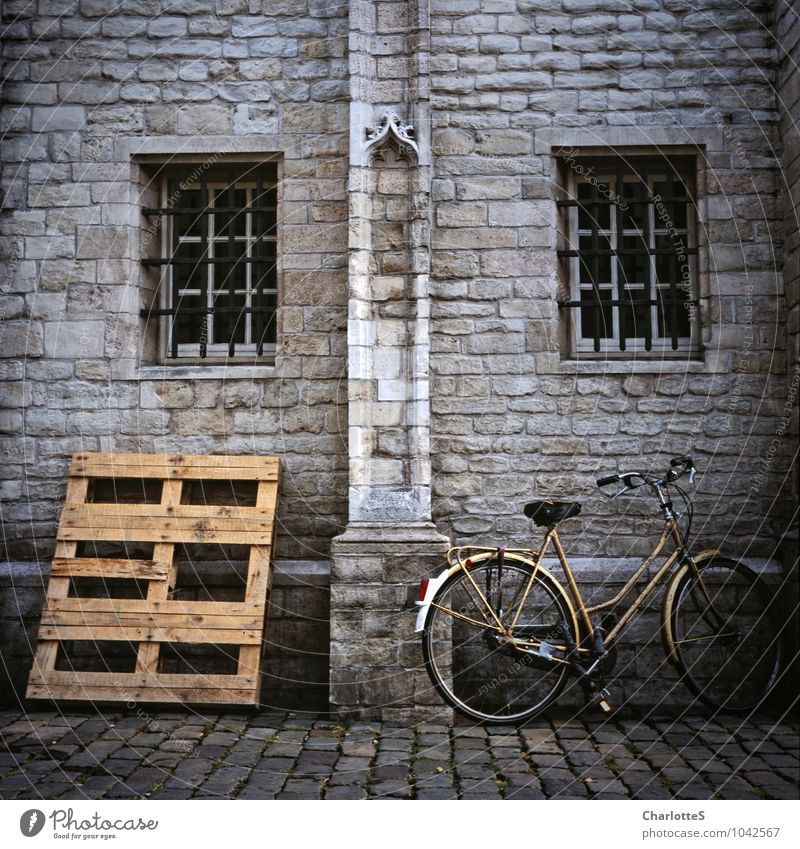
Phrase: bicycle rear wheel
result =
(475, 672)
(729, 651)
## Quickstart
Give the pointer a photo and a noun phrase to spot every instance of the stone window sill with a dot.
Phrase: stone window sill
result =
(260, 371)
(710, 362)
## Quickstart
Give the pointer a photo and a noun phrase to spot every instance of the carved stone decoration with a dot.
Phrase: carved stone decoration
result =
(391, 130)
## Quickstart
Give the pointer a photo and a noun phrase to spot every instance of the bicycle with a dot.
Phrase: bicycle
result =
(501, 636)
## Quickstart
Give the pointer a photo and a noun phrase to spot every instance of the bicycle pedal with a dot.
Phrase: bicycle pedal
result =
(600, 699)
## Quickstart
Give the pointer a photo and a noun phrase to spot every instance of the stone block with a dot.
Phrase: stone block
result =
(21, 339)
(74, 340)
(58, 118)
(166, 394)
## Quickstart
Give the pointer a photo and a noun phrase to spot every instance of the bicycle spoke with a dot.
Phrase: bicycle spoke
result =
(727, 635)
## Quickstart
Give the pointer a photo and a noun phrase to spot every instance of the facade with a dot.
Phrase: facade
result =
(441, 256)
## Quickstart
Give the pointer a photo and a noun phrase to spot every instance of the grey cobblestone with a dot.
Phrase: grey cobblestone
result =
(685, 758)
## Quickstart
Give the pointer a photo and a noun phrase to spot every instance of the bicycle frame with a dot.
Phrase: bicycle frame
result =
(578, 608)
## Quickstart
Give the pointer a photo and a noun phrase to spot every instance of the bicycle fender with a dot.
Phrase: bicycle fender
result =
(433, 588)
(434, 584)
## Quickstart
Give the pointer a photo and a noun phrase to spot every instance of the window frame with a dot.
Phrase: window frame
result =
(610, 167)
(237, 174)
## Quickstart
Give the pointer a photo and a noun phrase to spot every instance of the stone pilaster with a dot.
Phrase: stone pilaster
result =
(390, 541)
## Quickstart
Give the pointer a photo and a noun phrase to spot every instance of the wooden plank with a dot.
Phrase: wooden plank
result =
(188, 517)
(77, 490)
(256, 516)
(171, 634)
(174, 467)
(58, 587)
(108, 567)
(150, 619)
(142, 606)
(251, 461)
(147, 681)
(147, 657)
(172, 695)
(249, 659)
(201, 533)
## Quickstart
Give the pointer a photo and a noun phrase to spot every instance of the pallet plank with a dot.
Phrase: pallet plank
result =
(108, 567)
(146, 680)
(141, 606)
(172, 695)
(149, 619)
(256, 516)
(202, 534)
(174, 467)
(166, 634)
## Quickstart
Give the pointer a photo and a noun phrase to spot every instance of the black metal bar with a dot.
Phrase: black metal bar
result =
(205, 277)
(648, 286)
(597, 312)
(562, 252)
(231, 293)
(611, 202)
(614, 303)
(620, 250)
(145, 312)
(175, 287)
(204, 261)
(673, 314)
(188, 210)
(255, 294)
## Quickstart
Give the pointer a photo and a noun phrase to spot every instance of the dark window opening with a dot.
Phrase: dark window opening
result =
(217, 231)
(630, 230)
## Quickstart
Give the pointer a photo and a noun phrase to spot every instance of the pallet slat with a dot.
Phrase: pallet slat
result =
(183, 532)
(107, 567)
(144, 680)
(216, 635)
(166, 467)
(141, 606)
(157, 619)
(172, 695)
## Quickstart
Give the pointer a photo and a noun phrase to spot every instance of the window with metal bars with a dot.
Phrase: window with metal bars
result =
(218, 281)
(630, 255)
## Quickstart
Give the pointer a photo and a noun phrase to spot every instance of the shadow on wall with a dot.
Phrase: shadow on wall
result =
(297, 636)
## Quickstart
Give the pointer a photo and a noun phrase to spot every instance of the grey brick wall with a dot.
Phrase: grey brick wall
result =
(513, 80)
(89, 86)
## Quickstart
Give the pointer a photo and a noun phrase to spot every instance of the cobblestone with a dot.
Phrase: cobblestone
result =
(626, 757)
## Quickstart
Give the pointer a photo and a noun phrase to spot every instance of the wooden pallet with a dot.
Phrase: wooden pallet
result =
(157, 619)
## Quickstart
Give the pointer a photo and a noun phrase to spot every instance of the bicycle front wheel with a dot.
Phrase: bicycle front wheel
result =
(727, 634)
(476, 672)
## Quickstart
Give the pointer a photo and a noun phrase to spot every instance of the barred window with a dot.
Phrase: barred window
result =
(218, 286)
(630, 255)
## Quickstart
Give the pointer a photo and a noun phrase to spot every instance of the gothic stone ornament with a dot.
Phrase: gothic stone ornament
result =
(391, 130)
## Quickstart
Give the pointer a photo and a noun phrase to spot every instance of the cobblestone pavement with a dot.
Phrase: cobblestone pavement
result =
(182, 755)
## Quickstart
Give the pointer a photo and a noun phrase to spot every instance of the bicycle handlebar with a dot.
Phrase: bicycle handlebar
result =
(679, 466)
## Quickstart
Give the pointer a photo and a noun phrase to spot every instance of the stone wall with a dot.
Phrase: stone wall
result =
(513, 417)
(295, 670)
(92, 89)
(787, 33)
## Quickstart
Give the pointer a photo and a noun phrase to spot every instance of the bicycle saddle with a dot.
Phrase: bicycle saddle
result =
(551, 512)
